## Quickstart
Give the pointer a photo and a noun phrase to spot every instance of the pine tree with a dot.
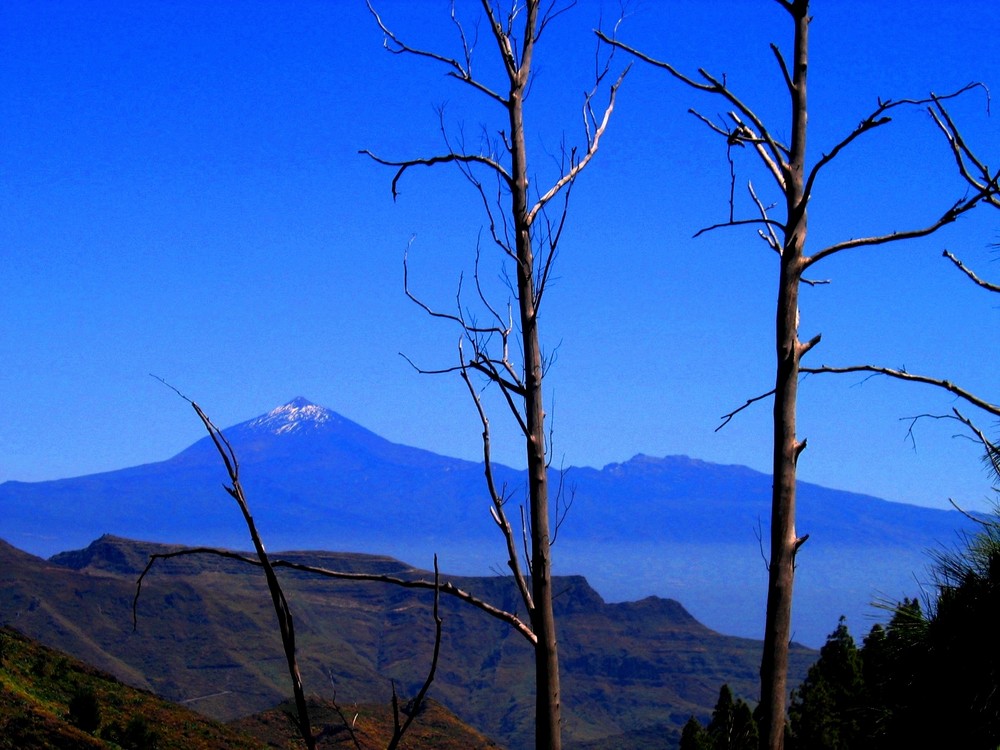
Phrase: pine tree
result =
(694, 736)
(826, 709)
(732, 726)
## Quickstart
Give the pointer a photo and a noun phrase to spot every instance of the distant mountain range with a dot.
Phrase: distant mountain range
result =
(673, 526)
(206, 638)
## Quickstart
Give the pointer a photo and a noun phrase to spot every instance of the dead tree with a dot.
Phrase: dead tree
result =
(286, 627)
(525, 226)
(785, 163)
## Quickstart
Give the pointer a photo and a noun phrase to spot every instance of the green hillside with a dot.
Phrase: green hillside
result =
(50, 700)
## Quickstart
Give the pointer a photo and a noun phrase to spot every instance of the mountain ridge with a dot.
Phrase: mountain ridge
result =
(206, 626)
(676, 526)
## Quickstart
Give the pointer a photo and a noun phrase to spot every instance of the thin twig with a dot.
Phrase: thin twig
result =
(970, 273)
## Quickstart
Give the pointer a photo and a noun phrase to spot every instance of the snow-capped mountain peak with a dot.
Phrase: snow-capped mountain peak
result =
(297, 415)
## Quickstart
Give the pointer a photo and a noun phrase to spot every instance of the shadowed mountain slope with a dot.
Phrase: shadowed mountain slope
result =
(206, 637)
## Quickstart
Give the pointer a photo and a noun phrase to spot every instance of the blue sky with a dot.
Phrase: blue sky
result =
(181, 194)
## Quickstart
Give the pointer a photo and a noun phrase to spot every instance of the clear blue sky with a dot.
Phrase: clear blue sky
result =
(181, 194)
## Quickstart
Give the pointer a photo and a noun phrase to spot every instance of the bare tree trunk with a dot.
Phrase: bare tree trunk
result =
(789, 350)
(547, 697)
(547, 700)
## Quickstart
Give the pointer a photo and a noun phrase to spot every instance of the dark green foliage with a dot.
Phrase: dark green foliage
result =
(85, 710)
(744, 735)
(137, 735)
(732, 727)
(930, 678)
(826, 709)
(694, 736)
(962, 651)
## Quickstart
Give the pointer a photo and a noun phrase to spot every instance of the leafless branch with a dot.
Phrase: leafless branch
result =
(759, 533)
(457, 70)
(722, 130)
(871, 122)
(563, 506)
(975, 519)
(877, 118)
(455, 318)
(348, 725)
(498, 501)
(971, 274)
(985, 186)
(727, 418)
(913, 378)
(400, 729)
(913, 420)
(503, 34)
(771, 156)
(991, 448)
(404, 165)
(784, 68)
(549, 239)
(712, 85)
(770, 238)
(738, 223)
(446, 587)
(525, 535)
(984, 180)
(947, 385)
(286, 625)
(551, 13)
(593, 142)
(489, 368)
(960, 207)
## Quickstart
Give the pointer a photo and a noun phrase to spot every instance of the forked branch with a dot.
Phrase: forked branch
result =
(593, 142)
(399, 729)
(458, 70)
(499, 500)
(985, 186)
(712, 85)
(978, 175)
(877, 118)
